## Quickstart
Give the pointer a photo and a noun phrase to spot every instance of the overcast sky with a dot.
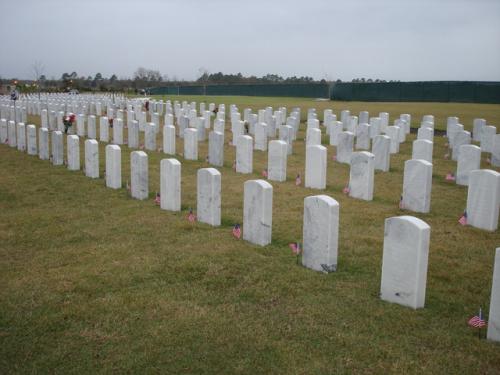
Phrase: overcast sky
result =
(387, 39)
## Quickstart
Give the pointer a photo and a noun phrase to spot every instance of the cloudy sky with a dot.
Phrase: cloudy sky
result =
(387, 39)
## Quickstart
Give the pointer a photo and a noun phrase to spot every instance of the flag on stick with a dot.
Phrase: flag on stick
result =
(264, 173)
(298, 180)
(157, 199)
(401, 206)
(295, 246)
(463, 219)
(237, 231)
(346, 190)
(334, 157)
(191, 217)
(477, 321)
(450, 177)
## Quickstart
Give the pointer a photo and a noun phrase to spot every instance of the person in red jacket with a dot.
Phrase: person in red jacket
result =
(68, 122)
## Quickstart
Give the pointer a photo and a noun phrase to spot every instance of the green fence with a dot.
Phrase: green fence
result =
(438, 91)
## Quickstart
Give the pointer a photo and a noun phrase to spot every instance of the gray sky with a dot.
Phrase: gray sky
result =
(387, 39)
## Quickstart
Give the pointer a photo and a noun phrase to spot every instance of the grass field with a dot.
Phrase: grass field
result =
(94, 281)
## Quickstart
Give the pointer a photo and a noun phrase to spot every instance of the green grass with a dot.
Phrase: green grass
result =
(94, 281)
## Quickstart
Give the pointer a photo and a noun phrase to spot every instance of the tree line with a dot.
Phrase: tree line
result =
(146, 78)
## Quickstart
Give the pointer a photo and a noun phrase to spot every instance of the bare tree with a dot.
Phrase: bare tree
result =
(38, 70)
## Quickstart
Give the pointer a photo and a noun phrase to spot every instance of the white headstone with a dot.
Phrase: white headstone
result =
(216, 148)
(133, 134)
(92, 158)
(209, 196)
(73, 145)
(364, 117)
(363, 137)
(417, 185)
(483, 199)
(57, 148)
(495, 152)
(244, 154)
(170, 185)
(12, 134)
(381, 150)
(422, 149)
(258, 212)
(113, 167)
(335, 130)
(80, 125)
(91, 128)
(43, 143)
(190, 144)
(404, 262)
(425, 133)
(461, 137)
(286, 135)
(118, 131)
(374, 126)
(150, 136)
(169, 139)
(393, 133)
(139, 176)
(313, 137)
(345, 147)
(469, 159)
(477, 128)
(260, 136)
(21, 136)
(316, 167)
(103, 129)
(276, 161)
(3, 131)
(494, 315)
(31, 140)
(320, 233)
(361, 177)
(487, 136)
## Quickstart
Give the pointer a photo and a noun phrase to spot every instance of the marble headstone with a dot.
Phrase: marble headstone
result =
(320, 233)
(405, 260)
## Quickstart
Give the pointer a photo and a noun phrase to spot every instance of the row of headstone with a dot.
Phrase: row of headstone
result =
(406, 238)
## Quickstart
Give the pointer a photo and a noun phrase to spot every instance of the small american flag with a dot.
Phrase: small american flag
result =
(128, 185)
(446, 144)
(264, 173)
(334, 157)
(450, 177)
(191, 217)
(463, 219)
(295, 246)
(298, 180)
(6, 141)
(157, 199)
(141, 147)
(237, 231)
(234, 165)
(346, 189)
(401, 206)
(446, 156)
(206, 159)
(488, 160)
(477, 321)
